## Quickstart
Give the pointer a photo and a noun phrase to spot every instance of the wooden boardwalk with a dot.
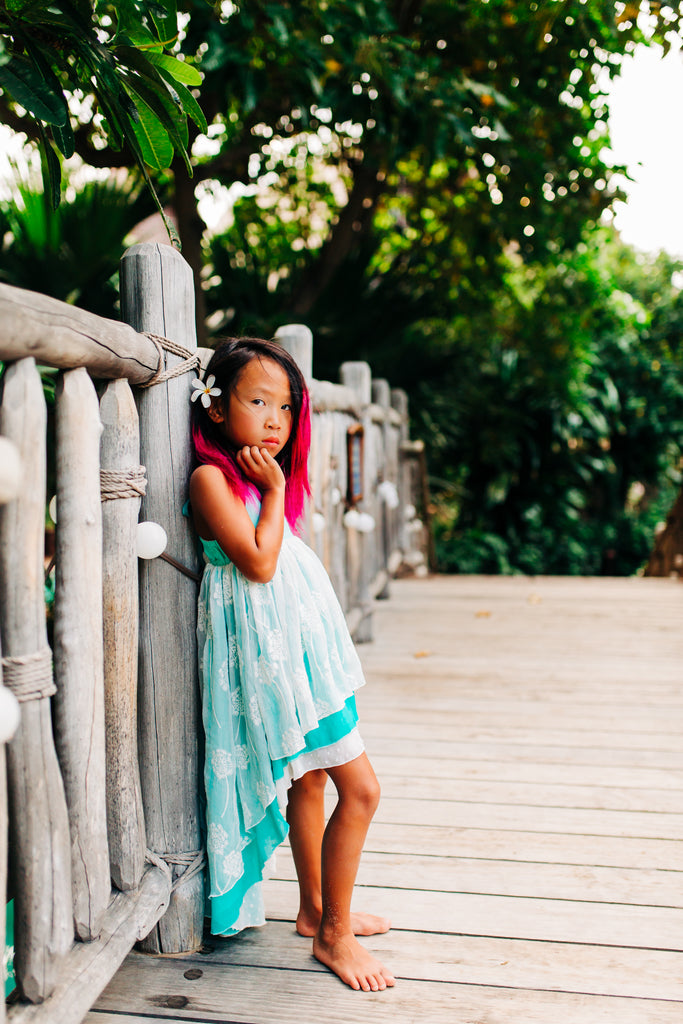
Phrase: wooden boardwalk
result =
(529, 843)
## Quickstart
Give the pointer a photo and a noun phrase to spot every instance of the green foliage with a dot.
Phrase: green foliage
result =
(72, 253)
(113, 52)
(556, 433)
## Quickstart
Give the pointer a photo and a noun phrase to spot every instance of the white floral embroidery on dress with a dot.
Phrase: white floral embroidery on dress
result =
(306, 615)
(227, 586)
(275, 645)
(222, 676)
(233, 651)
(217, 838)
(292, 740)
(254, 710)
(264, 793)
(222, 763)
(241, 755)
(300, 683)
(232, 867)
(236, 702)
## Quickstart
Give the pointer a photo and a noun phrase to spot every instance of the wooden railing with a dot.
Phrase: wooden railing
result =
(103, 769)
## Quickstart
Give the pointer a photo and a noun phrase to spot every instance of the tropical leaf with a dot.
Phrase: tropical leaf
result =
(153, 139)
(189, 103)
(52, 171)
(178, 70)
(27, 86)
(64, 138)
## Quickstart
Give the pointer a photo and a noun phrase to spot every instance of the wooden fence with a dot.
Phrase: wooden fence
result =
(103, 771)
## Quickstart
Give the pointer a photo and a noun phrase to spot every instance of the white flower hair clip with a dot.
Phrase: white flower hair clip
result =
(205, 390)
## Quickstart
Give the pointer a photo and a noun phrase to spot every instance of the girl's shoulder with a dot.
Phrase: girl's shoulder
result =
(211, 496)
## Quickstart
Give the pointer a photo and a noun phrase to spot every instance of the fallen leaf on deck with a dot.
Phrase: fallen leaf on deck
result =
(482, 615)
(422, 654)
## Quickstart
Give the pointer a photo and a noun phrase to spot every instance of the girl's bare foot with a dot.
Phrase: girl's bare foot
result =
(357, 968)
(361, 924)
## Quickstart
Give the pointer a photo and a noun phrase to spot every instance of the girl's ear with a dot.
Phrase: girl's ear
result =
(215, 412)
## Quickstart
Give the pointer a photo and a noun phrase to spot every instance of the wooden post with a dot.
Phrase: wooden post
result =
(357, 376)
(381, 395)
(79, 701)
(120, 464)
(40, 862)
(9, 708)
(297, 339)
(399, 400)
(157, 296)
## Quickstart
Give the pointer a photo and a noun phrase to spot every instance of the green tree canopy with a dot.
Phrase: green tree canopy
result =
(99, 73)
(416, 111)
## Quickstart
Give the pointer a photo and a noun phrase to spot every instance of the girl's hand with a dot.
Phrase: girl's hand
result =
(259, 466)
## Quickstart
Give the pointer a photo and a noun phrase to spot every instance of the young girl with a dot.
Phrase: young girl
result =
(278, 667)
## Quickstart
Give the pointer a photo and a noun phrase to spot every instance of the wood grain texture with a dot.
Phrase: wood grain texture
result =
(528, 851)
(120, 451)
(89, 966)
(39, 854)
(79, 669)
(157, 296)
(60, 334)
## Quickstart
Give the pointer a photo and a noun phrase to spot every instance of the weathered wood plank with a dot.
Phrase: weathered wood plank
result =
(518, 817)
(539, 753)
(617, 718)
(157, 296)
(639, 886)
(39, 858)
(490, 905)
(79, 670)
(519, 917)
(59, 334)
(273, 996)
(587, 776)
(537, 794)
(90, 966)
(469, 959)
(120, 450)
(613, 739)
(561, 848)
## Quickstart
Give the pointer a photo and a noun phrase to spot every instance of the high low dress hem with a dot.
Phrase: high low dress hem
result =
(279, 673)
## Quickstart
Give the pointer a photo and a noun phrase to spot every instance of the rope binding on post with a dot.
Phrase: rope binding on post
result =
(190, 360)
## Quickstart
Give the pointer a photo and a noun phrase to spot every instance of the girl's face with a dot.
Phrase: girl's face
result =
(259, 407)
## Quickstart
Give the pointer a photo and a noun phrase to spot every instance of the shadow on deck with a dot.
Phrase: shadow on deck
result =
(528, 846)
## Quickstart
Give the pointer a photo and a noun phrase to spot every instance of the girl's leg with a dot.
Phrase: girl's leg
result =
(306, 818)
(335, 944)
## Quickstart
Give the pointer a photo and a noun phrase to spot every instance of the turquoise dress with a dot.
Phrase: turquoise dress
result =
(278, 671)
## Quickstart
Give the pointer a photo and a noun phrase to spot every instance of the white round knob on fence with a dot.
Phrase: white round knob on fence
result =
(366, 523)
(11, 470)
(351, 519)
(335, 495)
(388, 492)
(318, 522)
(410, 512)
(151, 539)
(52, 508)
(9, 715)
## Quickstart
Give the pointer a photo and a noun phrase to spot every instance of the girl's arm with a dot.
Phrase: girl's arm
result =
(220, 515)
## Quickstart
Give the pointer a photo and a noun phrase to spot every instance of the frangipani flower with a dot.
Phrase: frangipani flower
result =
(205, 390)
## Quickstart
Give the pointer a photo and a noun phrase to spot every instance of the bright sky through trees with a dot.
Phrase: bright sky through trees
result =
(645, 126)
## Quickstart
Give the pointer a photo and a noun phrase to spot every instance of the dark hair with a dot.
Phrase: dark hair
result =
(210, 445)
